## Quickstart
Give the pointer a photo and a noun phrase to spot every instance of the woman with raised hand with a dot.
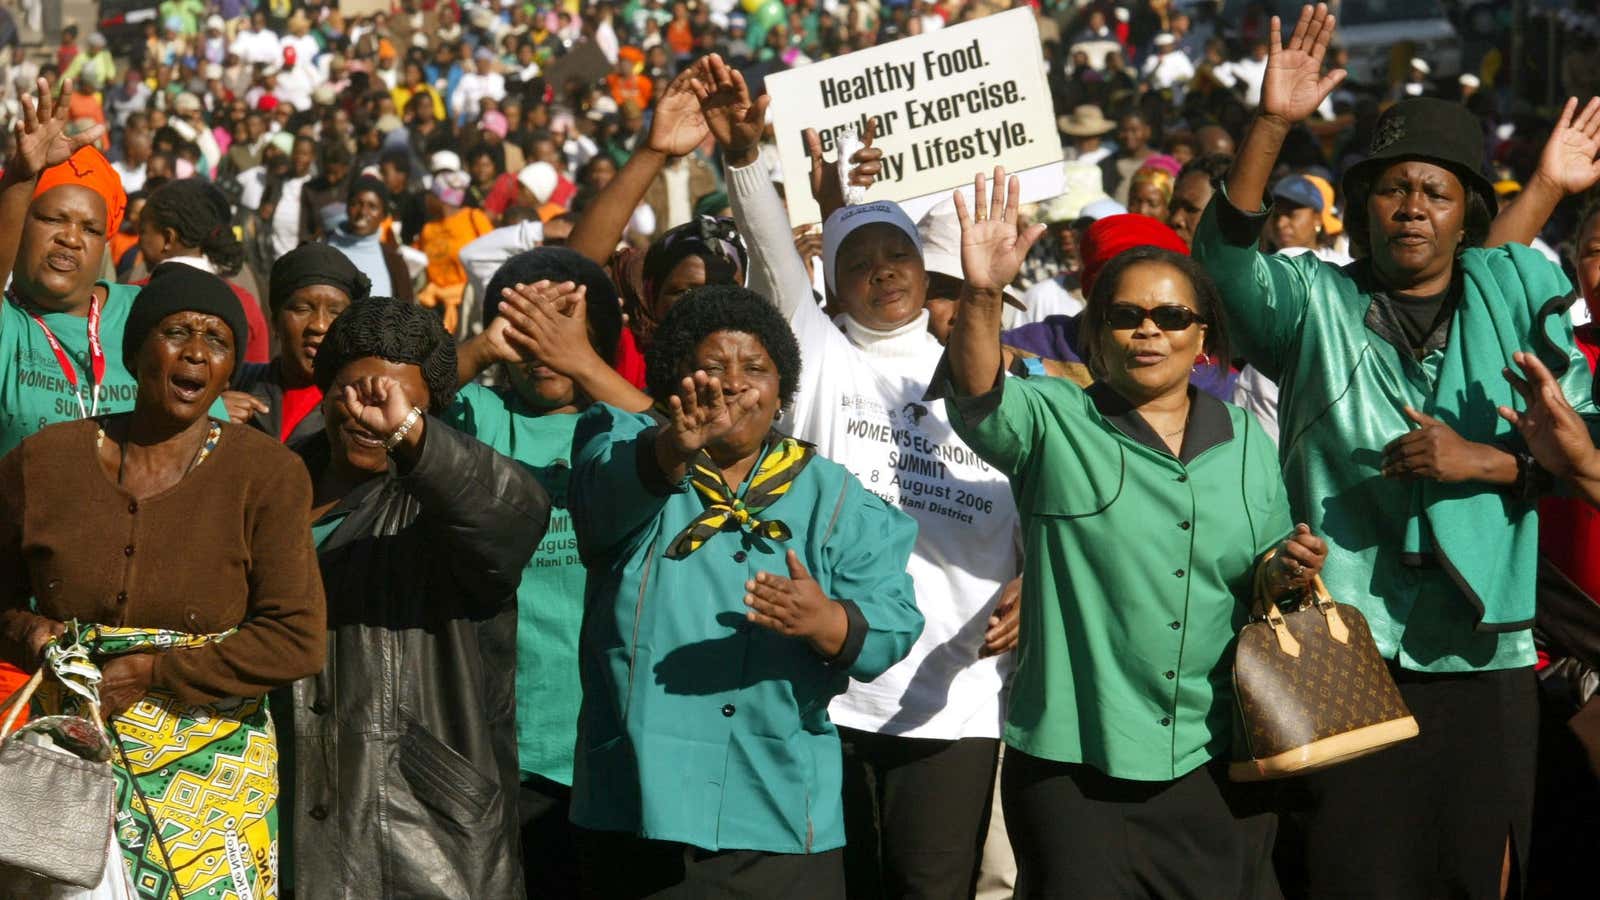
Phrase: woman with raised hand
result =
(738, 581)
(921, 743)
(1390, 376)
(179, 546)
(406, 750)
(1118, 731)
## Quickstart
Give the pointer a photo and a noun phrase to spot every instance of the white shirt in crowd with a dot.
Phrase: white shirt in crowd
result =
(1046, 298)
(680, 206)
(484, 256)
(1168, 70)
(257, 47)
(1247, 71)
(472, 88)
(861, 401)
(286, 216)
(305, 48)
(1090, 158)
(132, 176)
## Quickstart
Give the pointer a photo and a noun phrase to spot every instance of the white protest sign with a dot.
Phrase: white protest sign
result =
(946, 105)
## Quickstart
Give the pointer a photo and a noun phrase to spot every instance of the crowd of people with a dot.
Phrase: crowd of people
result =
(468, 482)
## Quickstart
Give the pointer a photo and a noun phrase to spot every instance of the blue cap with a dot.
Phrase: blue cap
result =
(1298, 190)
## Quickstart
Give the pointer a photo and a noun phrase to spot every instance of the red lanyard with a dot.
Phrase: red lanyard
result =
(97, 357)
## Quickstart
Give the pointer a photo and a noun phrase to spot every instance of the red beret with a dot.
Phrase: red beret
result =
(1114, 234)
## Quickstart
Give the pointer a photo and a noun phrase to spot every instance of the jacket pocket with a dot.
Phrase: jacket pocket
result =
(1078, 495)
(443, 780)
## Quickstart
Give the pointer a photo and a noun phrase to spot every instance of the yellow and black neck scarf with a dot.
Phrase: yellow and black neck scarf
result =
(779, 467)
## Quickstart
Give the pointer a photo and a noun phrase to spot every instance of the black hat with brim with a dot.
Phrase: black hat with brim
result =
(1427, 129)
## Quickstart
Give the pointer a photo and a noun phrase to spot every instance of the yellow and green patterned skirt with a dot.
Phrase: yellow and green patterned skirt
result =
(197, 786)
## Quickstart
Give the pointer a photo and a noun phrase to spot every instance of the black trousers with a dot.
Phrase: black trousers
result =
(1430, 817)
(549, 851)
(1078, 832)
(916, 812)
(625, 867)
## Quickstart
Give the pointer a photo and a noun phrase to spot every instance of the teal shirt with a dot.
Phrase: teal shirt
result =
(34, 392)
(1344, 385)
(1138, 573)
(697, 726)
(550, 597)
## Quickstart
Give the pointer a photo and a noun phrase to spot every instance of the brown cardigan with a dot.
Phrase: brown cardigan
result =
(229, 545)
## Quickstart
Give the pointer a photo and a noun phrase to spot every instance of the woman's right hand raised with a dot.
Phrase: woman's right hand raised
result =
(1294, 85)
(678, 125)
(700, 414)
(41, 138)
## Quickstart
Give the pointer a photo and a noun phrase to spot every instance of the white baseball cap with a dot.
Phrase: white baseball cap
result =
(541, 179)
(444, 161)
(847, 221)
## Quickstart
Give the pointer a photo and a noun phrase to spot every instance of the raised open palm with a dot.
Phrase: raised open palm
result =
(1294, 85)
(1554, 432)
(992, 250)
(735, 120)
(679, 126)
(699, 414)
(1569, 160)
(42, 139)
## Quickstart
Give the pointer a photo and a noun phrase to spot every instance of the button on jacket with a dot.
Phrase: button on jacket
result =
(698, 726)
(1139, 570)
(1444, 573)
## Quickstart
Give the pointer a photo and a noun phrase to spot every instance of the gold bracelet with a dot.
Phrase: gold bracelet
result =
(406, 426)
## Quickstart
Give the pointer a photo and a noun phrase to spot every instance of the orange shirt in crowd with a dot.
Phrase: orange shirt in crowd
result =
(635, 89)
(443, 240)
(680, 37)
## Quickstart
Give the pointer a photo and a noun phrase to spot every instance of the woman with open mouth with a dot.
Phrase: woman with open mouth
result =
(174, 547)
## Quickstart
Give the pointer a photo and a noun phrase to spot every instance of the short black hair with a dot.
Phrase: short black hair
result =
(559, 264)
(1096, 312)
(200, 213)
(707, 310)
(397, 331)
(1214, 166)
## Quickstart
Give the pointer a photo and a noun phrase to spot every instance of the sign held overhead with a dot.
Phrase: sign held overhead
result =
(944, 105)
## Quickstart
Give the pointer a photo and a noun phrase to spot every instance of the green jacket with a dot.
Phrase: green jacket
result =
(1443, 572)
(696, 726)
(1139, 570)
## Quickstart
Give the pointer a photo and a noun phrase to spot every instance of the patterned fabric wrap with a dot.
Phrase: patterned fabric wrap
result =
(777, 470)
(209, 774)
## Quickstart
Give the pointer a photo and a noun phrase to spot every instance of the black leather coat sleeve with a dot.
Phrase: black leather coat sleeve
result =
(486, 513)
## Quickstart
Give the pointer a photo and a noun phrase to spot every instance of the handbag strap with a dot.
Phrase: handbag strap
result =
(18, 701)
(1264, 607)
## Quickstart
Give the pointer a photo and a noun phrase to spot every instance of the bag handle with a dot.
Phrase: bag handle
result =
(18, 701)
(1265, 608)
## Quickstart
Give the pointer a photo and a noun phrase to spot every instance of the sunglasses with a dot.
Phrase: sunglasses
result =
(1127, 317)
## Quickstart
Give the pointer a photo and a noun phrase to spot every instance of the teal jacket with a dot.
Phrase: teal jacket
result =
(696, 726)
(1345, 381)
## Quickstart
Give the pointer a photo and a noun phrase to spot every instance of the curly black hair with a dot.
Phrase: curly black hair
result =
(707, 310)
(558, 264)
(1207, 299)
(394, 330)
(201, 215)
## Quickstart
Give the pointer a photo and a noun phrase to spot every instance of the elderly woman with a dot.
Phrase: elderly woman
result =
(1120, 719)
(406, 751)
(179, 546)
(311, 286)
(738, 581)
(1390, 375)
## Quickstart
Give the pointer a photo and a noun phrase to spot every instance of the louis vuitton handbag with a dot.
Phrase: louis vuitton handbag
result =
(1311, 688)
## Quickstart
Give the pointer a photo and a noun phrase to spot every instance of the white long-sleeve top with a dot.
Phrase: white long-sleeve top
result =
(484, 256)
(861, 402)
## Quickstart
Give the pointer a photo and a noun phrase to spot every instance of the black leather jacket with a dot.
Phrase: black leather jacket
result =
(405, 755)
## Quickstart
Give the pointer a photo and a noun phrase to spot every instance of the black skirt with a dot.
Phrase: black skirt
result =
(617, 866)
(1078, 832)
(1430, 817)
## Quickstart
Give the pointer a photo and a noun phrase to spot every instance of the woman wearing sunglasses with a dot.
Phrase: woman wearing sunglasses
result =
(1147, 508)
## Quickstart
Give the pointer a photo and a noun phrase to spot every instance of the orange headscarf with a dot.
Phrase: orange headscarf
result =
(89, 168)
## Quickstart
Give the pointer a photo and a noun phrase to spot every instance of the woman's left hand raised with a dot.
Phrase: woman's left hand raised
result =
(1568, 162)
(124, 681)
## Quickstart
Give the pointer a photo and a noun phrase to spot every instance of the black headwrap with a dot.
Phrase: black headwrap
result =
(394, 330)
(176, 287)
(714, 240)
(310, 264)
